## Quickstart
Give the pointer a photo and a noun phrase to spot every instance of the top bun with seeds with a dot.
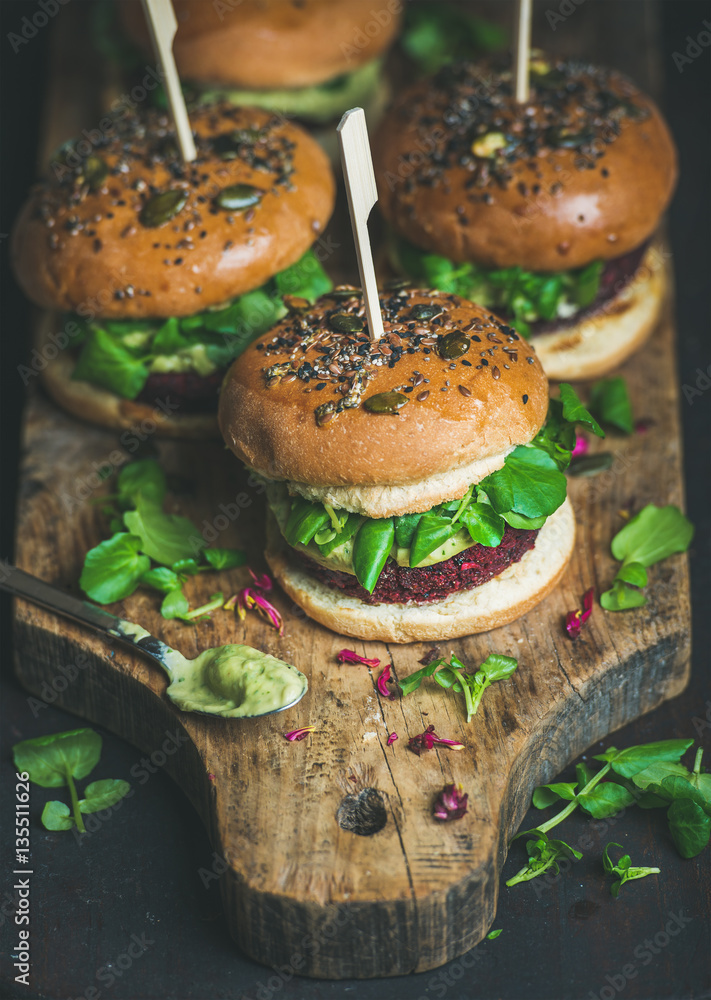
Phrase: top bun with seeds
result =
(316, 403)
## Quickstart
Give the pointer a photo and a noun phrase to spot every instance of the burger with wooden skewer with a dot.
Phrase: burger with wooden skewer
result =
(167, 251)
(539, 196)
(415, 477)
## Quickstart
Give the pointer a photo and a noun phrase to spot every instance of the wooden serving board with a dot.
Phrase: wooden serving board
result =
(328, 849)
(317, 872)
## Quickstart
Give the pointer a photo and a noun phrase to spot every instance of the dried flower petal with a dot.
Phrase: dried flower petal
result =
(350, 656)
(431, 655)
(250, 598)
(391, 739)
(382, 683)
(428, 739)
(451, 803)
(261, 580)
(574, 620)
(231, 603)
(298, 734)
(582, 446)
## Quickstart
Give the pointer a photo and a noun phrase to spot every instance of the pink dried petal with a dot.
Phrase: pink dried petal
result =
(382, 683)
(428, 739)
(642, 426)
(211, 777)
(391, 739)
(251, 598)
(452, 744)
(350, 656)
(261, 580)
(451, 803)
(582, 446)
(574, 620)
(296, 735)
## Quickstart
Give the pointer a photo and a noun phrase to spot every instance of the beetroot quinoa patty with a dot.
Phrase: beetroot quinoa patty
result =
(400, 584)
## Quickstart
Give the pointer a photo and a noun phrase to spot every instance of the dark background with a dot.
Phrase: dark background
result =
(140, 873)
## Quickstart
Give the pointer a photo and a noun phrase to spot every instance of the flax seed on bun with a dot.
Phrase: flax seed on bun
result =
(311, 425)
(80, 242)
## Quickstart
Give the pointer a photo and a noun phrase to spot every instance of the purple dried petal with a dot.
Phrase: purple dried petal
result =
(430, 656)
(296, 735)
(391, 738)
(350, 656)
(428, 739)
(451, 803)
(582, 446)
(382, 683)
(250, 598)
(261, 580)
(574, 620)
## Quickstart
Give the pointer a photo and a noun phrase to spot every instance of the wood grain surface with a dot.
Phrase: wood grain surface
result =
(415, 893)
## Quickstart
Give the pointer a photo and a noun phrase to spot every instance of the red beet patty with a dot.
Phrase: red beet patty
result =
(195, 393)
(399, 584)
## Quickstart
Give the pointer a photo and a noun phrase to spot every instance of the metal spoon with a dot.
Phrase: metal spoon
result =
(178, 667)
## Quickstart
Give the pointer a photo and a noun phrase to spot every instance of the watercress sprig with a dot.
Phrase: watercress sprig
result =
(623, 869)
(151, 548)
(543, 854)
(454, 674)
(652, 535)
(55, 761)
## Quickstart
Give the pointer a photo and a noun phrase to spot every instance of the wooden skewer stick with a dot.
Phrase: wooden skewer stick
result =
(362, 195)
(523, 50)
(163, 26)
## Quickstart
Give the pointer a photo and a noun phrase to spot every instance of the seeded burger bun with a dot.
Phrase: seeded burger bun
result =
(582, 172)
(269, 44)
(390, 428)
(130, 232)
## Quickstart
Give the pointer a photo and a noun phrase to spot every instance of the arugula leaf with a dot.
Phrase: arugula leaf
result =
(57, 816)
(621, 597)
(574, 411)
(652, 535)
(606, 799)
(623, 869)
(225, 558)
(610, 401)
(166, 538)
(485, 526)
(306, 279)
(161, 578)
(105, 362)
(412, 682)
(145, 478)
(546, 795)
(435, 34)
(689, 826)
(405, 527)
(371, 549)
(104, 793)
(529, 483)
(432, 531)
(542, 855)
(631, 761)
(53, 761)
(50, 760)
(175, 604)
(113, 568)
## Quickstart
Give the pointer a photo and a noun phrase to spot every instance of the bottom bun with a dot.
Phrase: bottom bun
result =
(605, 339)
(100, 406)
(502, 600)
